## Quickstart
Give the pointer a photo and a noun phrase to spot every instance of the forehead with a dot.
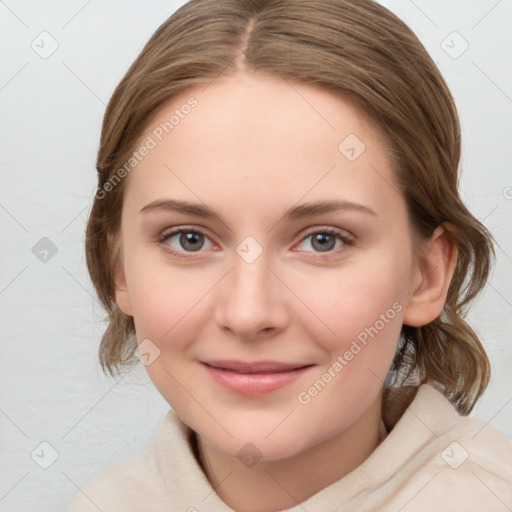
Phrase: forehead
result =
(257, 141)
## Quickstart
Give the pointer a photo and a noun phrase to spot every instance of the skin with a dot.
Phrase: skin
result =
(253, 147)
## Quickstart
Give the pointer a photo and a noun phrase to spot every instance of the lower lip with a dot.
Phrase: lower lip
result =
(254, 384)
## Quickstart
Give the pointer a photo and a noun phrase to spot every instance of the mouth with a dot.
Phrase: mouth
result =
(254, 378)
(254, 367)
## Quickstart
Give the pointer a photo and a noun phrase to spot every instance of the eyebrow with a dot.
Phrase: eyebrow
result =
(293, 213)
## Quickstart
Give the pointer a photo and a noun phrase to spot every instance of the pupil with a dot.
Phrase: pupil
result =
(326, 242)
(191, 241)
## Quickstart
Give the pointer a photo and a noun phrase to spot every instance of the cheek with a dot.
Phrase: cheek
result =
(159, 314)
(350, 301)
(166, 302)
(363, 309)
(168, 310)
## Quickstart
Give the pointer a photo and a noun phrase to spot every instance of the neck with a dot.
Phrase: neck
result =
(276, 485)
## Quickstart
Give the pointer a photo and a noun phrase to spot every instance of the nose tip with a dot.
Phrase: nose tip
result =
(250, 303)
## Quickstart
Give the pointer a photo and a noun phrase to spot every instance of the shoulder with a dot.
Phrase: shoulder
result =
(476, 460)
(468, 468)
(136, 483)
(460, 462)
(126, 486)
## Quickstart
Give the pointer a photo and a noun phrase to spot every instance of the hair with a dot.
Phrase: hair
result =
(358, 51)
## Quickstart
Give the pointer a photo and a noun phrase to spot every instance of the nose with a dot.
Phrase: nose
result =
(251, 301)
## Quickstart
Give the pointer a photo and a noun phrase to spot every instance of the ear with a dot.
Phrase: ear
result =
(121, 290)
(432, 278)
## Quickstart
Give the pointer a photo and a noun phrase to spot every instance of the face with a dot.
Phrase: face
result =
(267, 262)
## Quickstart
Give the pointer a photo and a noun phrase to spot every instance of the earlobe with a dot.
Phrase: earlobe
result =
(434, 274)
(122, 296)
(121, 290)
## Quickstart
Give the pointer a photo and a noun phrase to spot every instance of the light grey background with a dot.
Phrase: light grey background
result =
(52, 389)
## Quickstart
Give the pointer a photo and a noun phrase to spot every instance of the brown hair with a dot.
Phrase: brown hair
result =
(355, 49)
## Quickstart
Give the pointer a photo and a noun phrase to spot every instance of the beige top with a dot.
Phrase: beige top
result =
(433, 460)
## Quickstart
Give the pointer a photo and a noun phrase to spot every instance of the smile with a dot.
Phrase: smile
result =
(254, 378)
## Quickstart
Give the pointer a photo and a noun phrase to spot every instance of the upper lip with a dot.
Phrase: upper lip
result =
(255, 366)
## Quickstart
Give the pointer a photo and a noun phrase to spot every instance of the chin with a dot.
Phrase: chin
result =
(278, 449)
(259, 440)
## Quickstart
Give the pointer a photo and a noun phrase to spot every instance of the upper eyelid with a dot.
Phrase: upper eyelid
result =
(184, 229)
(320, 229)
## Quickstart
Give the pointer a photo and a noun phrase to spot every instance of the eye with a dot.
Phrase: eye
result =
(325, 240)
(182, 241)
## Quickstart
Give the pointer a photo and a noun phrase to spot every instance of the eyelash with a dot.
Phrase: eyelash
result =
(339, 234)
